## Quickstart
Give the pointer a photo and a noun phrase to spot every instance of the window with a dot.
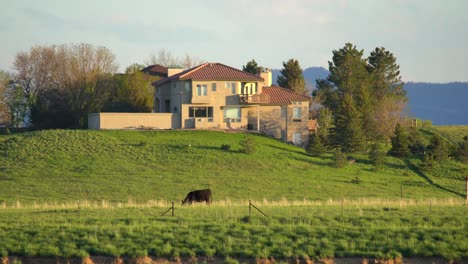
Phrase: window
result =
(297, 103)
(297, 138)
(201, 90)
(213, 87)
(284, 110)
(232, 87)
(187, 87)
(201, 111)
(232, 114)
(297, 114)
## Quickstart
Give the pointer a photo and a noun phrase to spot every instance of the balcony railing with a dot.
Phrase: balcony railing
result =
(254, 98)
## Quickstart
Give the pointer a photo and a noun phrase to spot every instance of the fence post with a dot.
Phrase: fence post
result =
(466, 188)
(250, 208)
(342, 204)
(172, 208)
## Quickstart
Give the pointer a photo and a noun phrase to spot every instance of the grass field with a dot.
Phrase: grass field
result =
(75, 193)
(71, 165)
(289, 232)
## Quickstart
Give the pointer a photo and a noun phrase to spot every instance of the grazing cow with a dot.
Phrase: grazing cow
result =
(198, 196)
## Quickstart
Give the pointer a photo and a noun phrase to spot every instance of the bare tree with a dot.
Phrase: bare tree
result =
(389, 113)
(70, 78)
(4, 108)
(33, 70)
(166, 58)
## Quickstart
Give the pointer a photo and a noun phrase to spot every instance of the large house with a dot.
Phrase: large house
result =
(214, 95)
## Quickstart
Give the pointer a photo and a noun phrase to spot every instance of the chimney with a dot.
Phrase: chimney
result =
(265, 73)
(171, 70)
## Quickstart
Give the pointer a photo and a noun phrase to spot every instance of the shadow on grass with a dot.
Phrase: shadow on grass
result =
(420, 173)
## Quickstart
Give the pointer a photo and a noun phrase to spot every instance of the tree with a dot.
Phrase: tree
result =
(339, 158)
(131, 92)
(462, 150)
(377, 156)
(400, 142)
(166, 58)
(365, 96)
(325, 124)
(291, 76)
(33, 71)
(438, 148)
(74, 78)
(389, 97)
(316, 145)
(5, 80)
(135, 67)
(251, 67)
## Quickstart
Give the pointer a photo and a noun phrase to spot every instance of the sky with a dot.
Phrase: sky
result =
(429, 38)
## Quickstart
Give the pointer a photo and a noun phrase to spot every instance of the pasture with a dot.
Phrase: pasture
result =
(71, 165)
(315, 230)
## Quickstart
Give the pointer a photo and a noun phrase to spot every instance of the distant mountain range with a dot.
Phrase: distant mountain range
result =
(443, 103)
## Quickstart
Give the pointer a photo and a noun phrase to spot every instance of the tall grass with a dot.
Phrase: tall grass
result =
(289, 232)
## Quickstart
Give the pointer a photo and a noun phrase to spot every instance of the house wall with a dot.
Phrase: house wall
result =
(274, 125)
(132, 120)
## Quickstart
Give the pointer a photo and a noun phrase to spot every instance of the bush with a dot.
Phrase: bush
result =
(225, 147)
(248, 145)
(339, 158)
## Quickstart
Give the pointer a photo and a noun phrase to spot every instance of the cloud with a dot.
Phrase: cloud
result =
(44, 18)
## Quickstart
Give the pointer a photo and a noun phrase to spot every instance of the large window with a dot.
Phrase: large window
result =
(297, 114)
(232, 114)
(201, 90)
(201, 111)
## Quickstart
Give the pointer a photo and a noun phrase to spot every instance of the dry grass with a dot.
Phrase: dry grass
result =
(85, 204)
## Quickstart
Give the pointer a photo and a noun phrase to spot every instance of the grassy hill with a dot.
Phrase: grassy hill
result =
(70, 165)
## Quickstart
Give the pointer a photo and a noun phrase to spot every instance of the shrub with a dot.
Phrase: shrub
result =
(248, 145)
(225, 147)
(339, 158)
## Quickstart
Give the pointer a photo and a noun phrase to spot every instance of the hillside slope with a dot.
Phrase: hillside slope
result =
(70, 165)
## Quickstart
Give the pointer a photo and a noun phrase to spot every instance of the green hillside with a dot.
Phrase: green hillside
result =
(70, 165)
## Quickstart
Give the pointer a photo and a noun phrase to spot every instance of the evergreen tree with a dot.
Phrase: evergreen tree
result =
(377, 156)
(438, 148)
(351, 98)
(251, 67)
(291, 76)
(462, 150)
(389, 97)
(400, 142)
(316, 145)
(339, 158)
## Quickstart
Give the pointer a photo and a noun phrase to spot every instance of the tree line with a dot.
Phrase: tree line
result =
(360, 105)
(56, 86)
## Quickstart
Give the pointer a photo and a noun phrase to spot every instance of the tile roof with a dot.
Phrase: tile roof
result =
(211, 71)
(156, 68)
(279, 95)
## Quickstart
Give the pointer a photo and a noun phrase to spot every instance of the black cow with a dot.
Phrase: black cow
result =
(198, 196)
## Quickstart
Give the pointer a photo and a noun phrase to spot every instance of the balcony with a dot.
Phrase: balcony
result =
(254, 98)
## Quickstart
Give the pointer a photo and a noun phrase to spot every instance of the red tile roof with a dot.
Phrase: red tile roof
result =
(279, 95)
(156, 68)
(211, 71)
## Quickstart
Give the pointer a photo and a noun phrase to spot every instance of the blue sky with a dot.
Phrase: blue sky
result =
(428, 37)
